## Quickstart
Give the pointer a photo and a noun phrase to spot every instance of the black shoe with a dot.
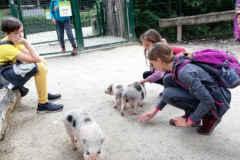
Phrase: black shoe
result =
(49, 108)
(52, 97)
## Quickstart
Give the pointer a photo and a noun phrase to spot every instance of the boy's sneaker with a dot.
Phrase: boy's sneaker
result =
(53, 97)
(49, 108)
(63, 50)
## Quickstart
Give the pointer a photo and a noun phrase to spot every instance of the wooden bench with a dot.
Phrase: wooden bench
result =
(8, 101)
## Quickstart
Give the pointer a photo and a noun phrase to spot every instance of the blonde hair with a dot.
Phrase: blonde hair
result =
(151, 35)
(161, 51)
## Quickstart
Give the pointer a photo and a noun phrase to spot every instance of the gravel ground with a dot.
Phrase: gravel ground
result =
(82, 80)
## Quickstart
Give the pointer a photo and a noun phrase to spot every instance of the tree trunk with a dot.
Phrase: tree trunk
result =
(114, 16)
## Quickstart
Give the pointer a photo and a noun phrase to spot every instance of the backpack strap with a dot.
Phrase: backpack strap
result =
(6, 42)
(177, 66)
(52, 9)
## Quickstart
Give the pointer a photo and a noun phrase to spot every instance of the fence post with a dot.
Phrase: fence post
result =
(13, 8)
(131, 20)
(180, 7)
(126, 19)
(21, 17)
(179, 33)
(102, 24)
(77, 24)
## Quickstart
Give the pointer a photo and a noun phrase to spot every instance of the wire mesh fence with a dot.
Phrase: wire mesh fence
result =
(39, 30)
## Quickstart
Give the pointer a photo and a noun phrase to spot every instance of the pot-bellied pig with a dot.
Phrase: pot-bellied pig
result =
(83, 130)
(134, 95)
(116, 89)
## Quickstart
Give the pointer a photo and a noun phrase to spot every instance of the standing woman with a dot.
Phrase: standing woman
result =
(196, 100)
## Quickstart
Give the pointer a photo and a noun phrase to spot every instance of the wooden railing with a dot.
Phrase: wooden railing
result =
(195, 20)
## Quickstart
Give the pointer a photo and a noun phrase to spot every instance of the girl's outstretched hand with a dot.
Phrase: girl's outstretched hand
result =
(147, 116)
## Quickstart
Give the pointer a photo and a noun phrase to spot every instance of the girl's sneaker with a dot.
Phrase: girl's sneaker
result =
(208, 125)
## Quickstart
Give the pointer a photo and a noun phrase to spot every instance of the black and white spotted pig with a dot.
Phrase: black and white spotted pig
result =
(83, 130)
(134, 95)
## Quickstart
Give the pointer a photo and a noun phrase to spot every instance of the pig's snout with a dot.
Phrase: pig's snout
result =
(93, 156)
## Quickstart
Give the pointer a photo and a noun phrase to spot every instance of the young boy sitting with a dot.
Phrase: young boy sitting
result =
(23, 51)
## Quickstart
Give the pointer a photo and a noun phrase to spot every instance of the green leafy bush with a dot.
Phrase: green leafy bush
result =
(86, 17)
(37, 24)
(148, 12)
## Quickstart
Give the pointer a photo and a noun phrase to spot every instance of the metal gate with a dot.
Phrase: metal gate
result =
(89, 24)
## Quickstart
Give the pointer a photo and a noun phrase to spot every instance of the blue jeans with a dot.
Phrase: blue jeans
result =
(65, 24)
(179, 97)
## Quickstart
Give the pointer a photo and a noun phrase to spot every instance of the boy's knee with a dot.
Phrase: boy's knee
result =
(41, 66)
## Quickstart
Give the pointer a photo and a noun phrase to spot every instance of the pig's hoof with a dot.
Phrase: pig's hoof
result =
(122, 113)
(135, 113)
(114, 106)
(75, 148)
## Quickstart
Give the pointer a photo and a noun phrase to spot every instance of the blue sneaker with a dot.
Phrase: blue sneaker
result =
(49, 108)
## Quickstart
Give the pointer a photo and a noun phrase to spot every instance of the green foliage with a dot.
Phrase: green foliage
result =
(208, 30)
(86, 17)
(144, 20)
(3, 13)
(37, 24)
(4, 4)
(148, 12)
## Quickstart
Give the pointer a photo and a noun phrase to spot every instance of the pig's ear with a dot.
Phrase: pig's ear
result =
(84, 141)
(102, 140)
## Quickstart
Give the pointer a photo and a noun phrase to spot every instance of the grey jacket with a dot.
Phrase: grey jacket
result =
(212, 98)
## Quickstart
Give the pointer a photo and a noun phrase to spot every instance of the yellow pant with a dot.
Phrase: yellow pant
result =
(41, 81)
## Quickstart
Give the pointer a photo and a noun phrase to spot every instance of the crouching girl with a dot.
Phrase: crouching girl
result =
(195, 98)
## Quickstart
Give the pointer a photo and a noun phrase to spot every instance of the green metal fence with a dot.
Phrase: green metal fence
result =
(89, 23)
(148, 13)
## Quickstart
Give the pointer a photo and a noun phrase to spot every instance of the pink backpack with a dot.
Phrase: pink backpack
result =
(222, 65)
(237, 21)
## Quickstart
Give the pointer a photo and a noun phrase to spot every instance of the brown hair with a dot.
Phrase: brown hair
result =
(151, 35)
(10, 24)
(162, 51)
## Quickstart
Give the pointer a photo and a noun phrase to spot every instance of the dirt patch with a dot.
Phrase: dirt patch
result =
(82, 81)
